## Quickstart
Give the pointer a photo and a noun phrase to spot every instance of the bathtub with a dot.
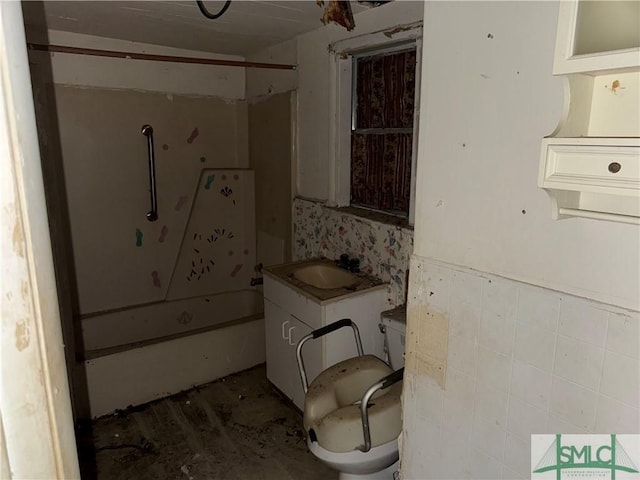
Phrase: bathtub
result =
(135, 355)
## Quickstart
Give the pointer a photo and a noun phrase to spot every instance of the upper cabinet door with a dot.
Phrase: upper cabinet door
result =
(597, 36)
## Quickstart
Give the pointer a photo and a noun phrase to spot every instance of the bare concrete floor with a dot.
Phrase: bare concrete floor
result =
(234, 428)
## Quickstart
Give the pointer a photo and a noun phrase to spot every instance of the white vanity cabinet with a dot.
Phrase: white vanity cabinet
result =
(291, 313)
(590, 165)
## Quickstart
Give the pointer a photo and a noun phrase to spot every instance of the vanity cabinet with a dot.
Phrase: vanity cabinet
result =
(291, 313)
(590, 165)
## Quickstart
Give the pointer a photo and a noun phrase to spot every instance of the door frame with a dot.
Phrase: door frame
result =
(36, 424)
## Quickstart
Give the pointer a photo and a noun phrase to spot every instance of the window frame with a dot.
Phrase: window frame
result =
(341, 106)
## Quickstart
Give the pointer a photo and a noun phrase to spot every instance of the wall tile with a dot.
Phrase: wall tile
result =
(466, 288)
(457, 418)
(616, 417)
(438, 288)
(460, 389)
(509, 474)
(583, 320)
(428, 400)
(579, 362)
(484, 467)
(462, 355)
(455, 446)
(497, 324)
(517, 454)
(573, 403)
(524, 419)
(565, 367)
(623, 335)
(464, 319)
(556, 424)
(620, 378)
(531, 384)
(535, 345)
(464, 304)
(538, 307)
(488, 438)
(493, 369)
(491, 404)
(423, 459)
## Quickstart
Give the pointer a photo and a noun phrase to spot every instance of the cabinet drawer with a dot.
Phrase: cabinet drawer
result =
(606, 169)
(296, 304)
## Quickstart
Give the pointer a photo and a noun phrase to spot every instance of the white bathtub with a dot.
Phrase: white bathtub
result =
(139, 354)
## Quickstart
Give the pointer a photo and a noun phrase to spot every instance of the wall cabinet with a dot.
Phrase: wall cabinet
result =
(290, 315)
(590, 165)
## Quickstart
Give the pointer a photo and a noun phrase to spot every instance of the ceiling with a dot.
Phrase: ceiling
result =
(247, 26)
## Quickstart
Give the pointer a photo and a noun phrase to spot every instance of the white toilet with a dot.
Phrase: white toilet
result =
(336, 424)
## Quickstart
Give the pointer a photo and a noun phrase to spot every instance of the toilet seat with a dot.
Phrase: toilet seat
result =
(332, 414)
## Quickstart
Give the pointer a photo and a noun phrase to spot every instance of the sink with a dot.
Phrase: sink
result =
(325, 276)
(320, 280)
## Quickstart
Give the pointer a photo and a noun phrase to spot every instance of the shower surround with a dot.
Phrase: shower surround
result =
(168, 304)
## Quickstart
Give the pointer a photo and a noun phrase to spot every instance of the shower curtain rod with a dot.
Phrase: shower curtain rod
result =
(155, 58)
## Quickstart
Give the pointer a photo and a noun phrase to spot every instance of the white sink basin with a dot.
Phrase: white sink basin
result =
(325, 276)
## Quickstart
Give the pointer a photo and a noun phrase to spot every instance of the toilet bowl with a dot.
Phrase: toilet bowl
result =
(334, 418)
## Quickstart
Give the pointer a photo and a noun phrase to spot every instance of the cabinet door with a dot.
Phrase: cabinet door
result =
(311, 354)
(276, 323)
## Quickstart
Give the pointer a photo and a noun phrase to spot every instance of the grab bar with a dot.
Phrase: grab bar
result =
(345, 322)
(386, 382)
(152, 215)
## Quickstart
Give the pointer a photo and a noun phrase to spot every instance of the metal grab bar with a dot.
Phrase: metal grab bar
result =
(386, 382)
(152, 215)
(345, 322)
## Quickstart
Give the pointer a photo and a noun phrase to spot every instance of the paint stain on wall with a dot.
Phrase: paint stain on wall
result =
(203, 159)
(156, 279)
(17, 240)
(181, 203)
(193, 136)
(615, 86)
(210, 179)
(163, 233)
(22, 335)
(138, 237)
(236, 269)
(165, 146)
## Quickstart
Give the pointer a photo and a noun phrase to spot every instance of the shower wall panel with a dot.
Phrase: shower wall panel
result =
(121, 259)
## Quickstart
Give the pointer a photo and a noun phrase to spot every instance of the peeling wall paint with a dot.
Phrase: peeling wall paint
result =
(22, 335)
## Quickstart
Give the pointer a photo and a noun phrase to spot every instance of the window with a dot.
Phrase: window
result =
(382, 130)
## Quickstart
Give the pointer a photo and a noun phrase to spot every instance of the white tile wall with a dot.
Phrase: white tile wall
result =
(521, 360)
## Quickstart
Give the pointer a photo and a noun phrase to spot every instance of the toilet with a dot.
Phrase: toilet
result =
(334, 419)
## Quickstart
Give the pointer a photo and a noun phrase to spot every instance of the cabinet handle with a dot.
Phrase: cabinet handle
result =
(614, 167)
(289, 338)
(284, 324)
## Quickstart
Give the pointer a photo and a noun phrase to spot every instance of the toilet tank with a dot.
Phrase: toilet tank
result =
(394, 325)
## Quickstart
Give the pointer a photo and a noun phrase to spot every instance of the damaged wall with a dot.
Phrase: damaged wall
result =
(541, 316)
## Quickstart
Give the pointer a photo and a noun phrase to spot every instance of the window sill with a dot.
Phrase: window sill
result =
(380, 217)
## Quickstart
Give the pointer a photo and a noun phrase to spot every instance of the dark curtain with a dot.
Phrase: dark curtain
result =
(381, 162)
